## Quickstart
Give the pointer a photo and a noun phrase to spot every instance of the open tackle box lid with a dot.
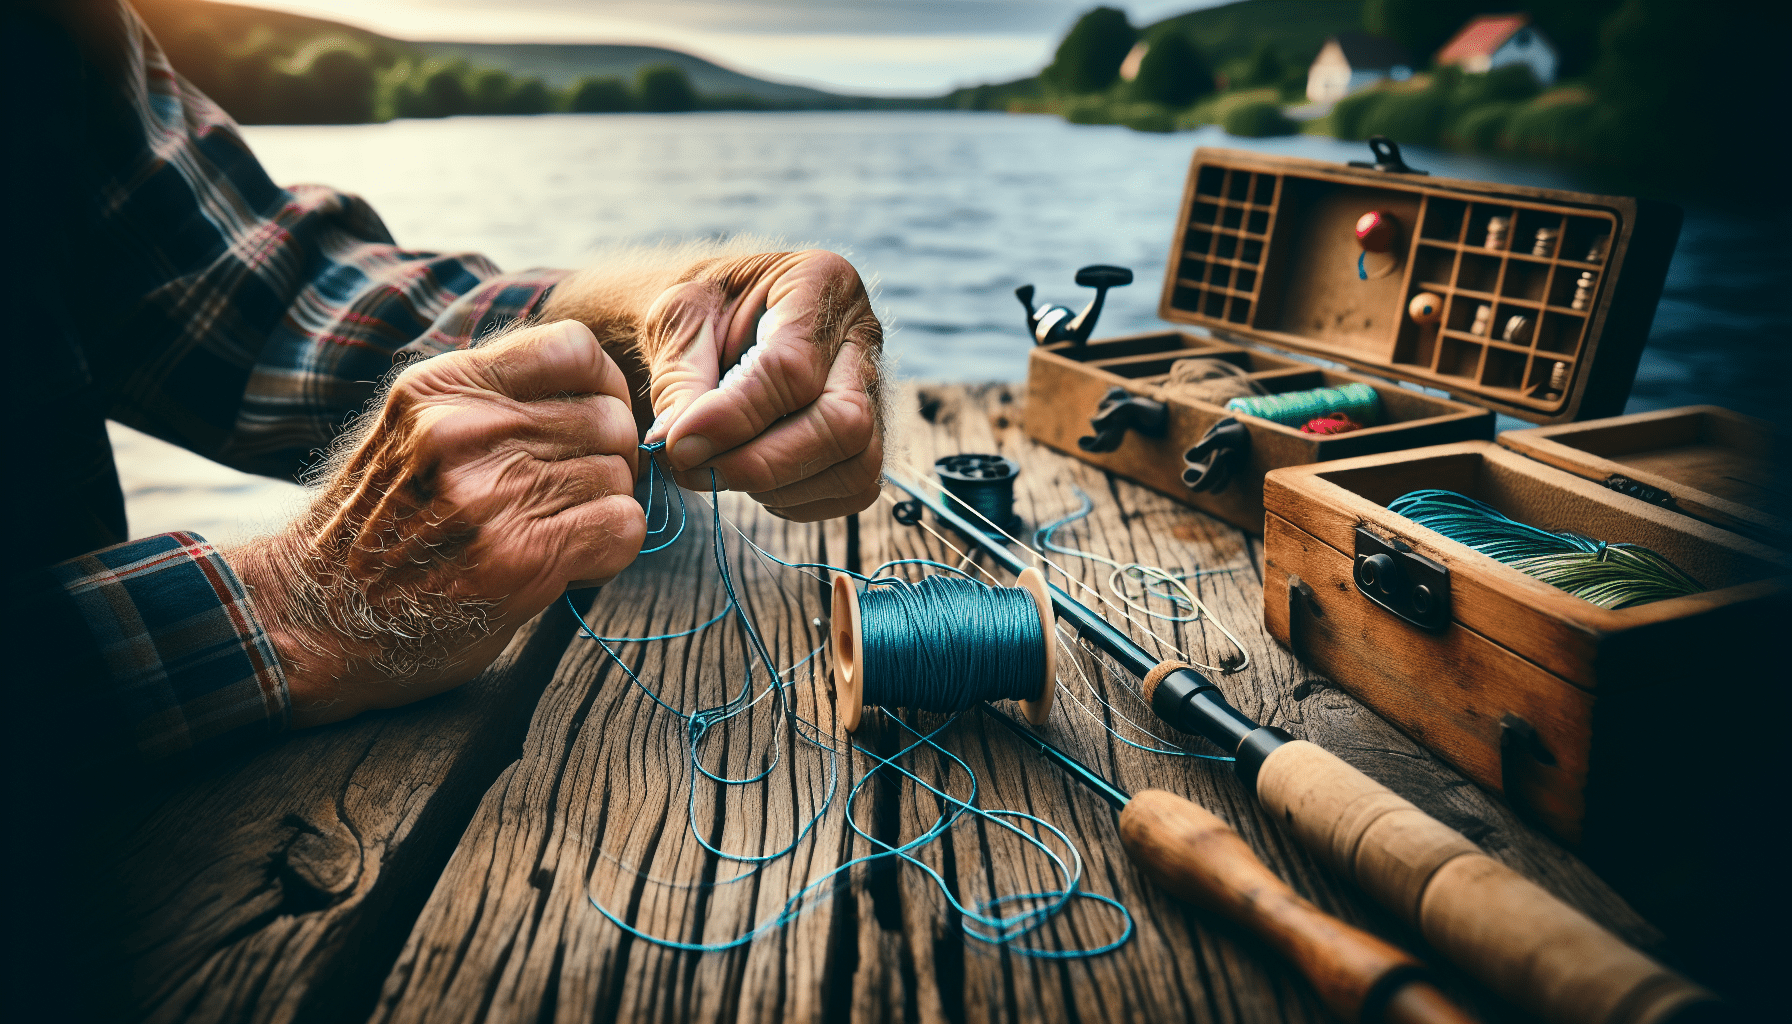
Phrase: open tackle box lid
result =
(1543, 297)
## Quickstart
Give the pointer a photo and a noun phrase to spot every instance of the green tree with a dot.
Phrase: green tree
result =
(599, 96)
(1265, 67)
(445, 94)
(1172, 72)
(1256, 120)
(1088, 60)
(665, 88)
(490, 91)
(531, 96)
(1422, 26)
(341, 87)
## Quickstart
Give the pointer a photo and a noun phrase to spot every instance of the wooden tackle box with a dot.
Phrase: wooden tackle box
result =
(1618, 731)
(1265, 259)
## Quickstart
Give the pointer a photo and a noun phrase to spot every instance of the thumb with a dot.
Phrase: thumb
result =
(684, 328)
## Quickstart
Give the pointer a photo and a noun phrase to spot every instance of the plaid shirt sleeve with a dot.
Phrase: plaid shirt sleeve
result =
(241, 320)
(245, 321)
(169, 629)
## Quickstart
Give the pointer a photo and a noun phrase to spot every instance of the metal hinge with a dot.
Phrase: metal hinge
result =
(1640, 491)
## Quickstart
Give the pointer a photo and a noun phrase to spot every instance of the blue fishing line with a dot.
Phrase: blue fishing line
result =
(947, 644)
(983, 922)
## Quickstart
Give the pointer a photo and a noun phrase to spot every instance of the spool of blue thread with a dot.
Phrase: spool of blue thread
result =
(848, 642)
(1293, 408)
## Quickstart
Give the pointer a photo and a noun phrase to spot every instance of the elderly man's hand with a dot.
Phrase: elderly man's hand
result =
(794, 420)
(491, 480)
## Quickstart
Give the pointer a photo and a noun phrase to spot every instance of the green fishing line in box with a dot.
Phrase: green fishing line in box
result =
(1450, 299)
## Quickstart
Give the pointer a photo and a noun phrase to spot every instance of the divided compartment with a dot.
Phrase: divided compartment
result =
(1443, 219)
(1478, 272)
(1434, 268)
(1526, 279)
(1268, 250)
(1580, 237)
(1480, 218)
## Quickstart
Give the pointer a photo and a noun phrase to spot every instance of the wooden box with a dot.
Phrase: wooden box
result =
(1709, 463)
(1265, 258)
(1591, 722)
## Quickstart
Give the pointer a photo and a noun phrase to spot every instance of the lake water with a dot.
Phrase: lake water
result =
(947, 212)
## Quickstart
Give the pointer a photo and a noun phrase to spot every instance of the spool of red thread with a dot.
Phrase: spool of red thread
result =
(1375, 231)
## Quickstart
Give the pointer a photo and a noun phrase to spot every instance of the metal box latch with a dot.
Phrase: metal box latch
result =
(1402, 581)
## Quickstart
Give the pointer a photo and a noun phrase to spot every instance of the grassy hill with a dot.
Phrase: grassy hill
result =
(1296, 28)
(275, 67)
(561, 64)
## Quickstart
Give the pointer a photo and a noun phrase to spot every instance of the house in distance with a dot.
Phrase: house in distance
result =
(1497, 40)
(1352, 60)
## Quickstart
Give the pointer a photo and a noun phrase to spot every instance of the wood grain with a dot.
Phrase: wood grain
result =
(286, 885)
(276, 886)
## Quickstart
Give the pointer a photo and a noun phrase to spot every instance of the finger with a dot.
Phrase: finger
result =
(837, 427)
(829, 508)
(841, 480)
(811, 306)
(547, 489)
(570, 428)
(538, 362)
(602, 538)
(684, 332)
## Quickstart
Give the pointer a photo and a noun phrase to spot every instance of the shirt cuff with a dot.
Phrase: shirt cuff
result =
(187, 666)
(487, 310)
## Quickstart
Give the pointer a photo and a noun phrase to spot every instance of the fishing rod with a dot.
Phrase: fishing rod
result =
(1499, 926)
(1194, 855)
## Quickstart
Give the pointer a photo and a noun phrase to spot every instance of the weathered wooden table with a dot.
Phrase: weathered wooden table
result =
(438, 862)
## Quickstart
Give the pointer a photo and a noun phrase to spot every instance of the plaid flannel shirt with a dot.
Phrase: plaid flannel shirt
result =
(192, 298)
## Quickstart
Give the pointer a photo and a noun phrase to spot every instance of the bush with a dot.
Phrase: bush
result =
(1350, 113)
(1089, 58)
(599, 96)
(1482, 128)
(665, 88)
(1417, 117)
(530, 96)
(1172, 72)
(445, 94)
(490, 91)
(340, 86)
(1142, 117)
(1257, 120)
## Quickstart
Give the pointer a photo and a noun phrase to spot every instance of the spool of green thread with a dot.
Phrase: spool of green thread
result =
(1358, 401)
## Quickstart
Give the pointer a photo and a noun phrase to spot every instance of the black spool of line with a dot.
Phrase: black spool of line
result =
(985, 483)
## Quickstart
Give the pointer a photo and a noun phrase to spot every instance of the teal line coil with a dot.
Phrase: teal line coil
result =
(1609, 575)
(1293, 408)
(946, 644)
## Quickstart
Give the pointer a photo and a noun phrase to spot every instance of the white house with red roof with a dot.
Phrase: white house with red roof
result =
(1497, 40)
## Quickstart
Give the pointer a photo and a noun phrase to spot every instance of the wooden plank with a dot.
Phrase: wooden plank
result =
(598, 806)
(277, 885)
(602, 784)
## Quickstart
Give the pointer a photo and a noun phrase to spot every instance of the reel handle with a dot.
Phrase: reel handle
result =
(1050, 324)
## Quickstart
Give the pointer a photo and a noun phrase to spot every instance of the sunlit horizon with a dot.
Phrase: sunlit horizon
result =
(882, 47)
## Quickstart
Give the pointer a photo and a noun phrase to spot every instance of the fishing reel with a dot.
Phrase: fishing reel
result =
(1050, 324)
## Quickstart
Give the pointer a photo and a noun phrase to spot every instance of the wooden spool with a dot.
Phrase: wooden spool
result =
(849, 650)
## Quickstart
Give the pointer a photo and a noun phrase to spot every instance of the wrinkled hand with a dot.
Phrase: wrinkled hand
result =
(795, 420)
(491, 480)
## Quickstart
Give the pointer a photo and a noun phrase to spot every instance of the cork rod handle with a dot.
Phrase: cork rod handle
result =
(1522, 942)
(1197, 857)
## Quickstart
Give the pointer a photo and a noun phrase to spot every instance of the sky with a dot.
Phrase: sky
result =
(884, 47)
